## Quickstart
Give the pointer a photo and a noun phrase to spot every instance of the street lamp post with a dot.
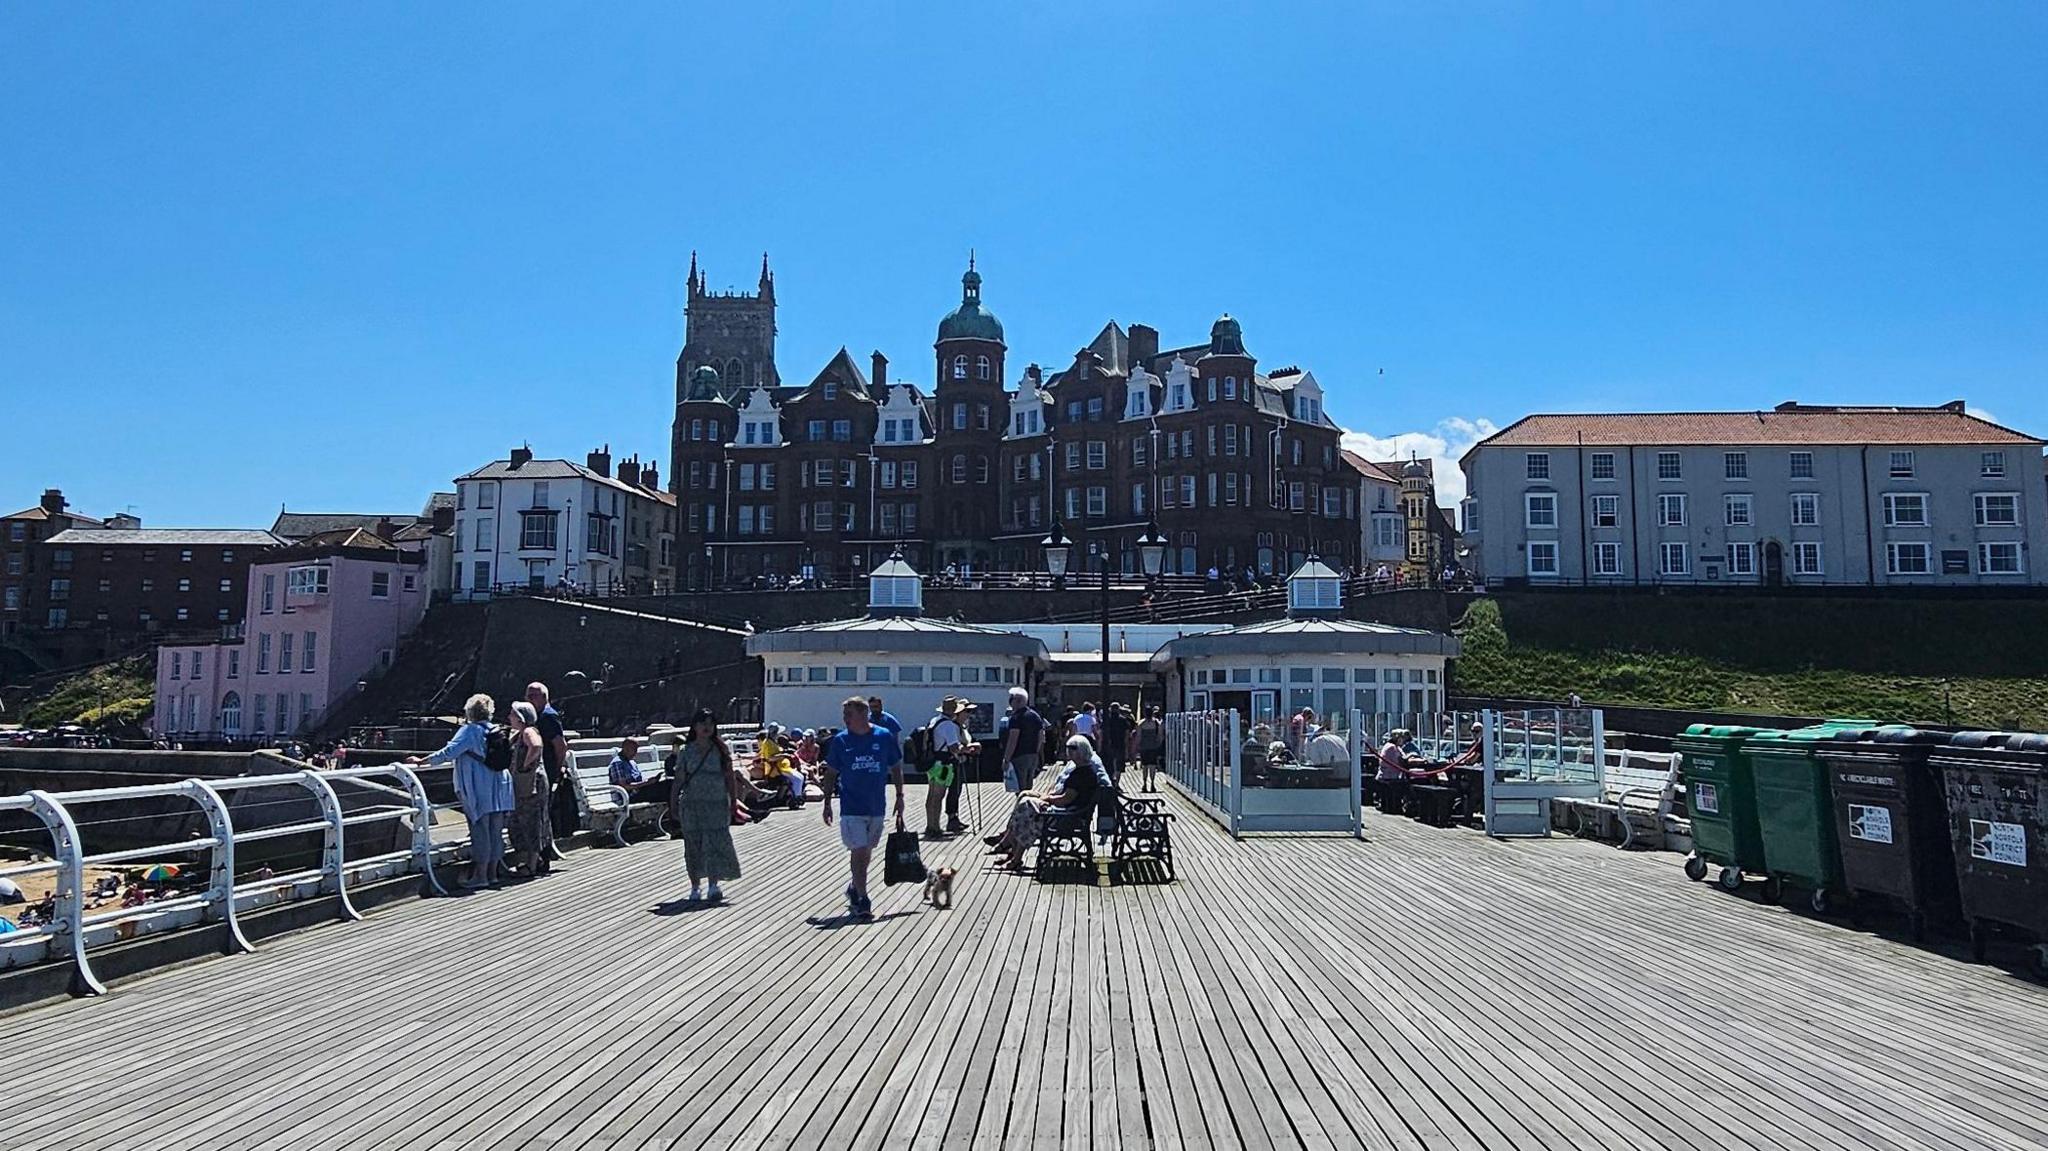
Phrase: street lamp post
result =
(1058, 554)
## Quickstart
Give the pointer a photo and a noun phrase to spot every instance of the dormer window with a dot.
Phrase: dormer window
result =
(831, 389)
(959, 367)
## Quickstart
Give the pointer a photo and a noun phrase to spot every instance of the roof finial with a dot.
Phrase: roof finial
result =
(970, 259)
(693, 270)
(767, 277)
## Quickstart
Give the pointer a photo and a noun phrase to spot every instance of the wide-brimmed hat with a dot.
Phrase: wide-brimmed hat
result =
(954, 705)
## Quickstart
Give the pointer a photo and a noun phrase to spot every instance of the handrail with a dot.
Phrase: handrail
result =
(70, 925)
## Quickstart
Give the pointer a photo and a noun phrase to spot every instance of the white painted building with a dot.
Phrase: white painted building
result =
(1312, 658)
(912, 662)
(1798, 495)
(534, 523)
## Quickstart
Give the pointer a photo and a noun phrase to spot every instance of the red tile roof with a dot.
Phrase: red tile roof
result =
(1786, 424)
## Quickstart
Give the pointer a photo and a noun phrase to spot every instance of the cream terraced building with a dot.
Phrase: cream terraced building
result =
(1798, 495)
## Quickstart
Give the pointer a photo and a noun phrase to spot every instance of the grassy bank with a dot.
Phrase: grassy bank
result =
(113, 695)
(1497, 662)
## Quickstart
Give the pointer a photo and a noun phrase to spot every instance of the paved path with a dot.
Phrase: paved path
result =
(1423, 989)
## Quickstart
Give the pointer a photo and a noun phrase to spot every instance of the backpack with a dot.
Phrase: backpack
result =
(920, 752)
(498, 748)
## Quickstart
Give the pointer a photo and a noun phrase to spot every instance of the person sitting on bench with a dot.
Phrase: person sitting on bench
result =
(1081, 780)
(624, 771)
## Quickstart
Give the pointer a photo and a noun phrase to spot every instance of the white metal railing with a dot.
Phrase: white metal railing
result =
(72, 928)
(1229, 774)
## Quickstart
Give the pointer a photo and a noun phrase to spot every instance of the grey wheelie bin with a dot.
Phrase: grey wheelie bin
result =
(1891, 822)
(1998, 825)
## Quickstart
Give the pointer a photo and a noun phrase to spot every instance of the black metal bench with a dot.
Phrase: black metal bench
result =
(1142, 850)
(1066, 844)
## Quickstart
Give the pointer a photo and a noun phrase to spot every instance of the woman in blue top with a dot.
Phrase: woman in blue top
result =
(486, 795)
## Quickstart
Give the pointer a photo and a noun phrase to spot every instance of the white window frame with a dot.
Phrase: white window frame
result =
(1792, 468)
(1809, 501)
(1598, 459)
(1892, 519)
(1607, 558)
(1666, 501)
(2019, 561)
(1991, 465)
(1735, 465)
(1901, 464)
(1677, 469)
(1536, 465)
(1531, 501)
(1680, 549)
(1543, 547)
(1735, 503)
(1981, 501)
(1800, 548)
(1745, 565)
(1894, 549)
(1607, 508)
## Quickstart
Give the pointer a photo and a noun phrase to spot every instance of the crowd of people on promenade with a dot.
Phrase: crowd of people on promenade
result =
(514, 780)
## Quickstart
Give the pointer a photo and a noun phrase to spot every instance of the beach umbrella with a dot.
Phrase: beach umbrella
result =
(161, 872)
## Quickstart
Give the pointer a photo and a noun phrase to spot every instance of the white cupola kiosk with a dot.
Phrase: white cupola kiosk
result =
(1314, 591)
(895, 589)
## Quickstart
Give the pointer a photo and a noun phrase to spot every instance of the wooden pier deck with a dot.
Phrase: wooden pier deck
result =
(1423, 989)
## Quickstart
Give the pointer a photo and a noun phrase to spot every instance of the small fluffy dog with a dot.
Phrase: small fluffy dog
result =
(938, 888)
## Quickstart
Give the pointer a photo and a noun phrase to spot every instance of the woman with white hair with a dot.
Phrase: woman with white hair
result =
(486, 795)
(532, 830)
(1081, 781)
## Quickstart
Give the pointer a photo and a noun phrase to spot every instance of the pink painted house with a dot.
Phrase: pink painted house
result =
(324, 615)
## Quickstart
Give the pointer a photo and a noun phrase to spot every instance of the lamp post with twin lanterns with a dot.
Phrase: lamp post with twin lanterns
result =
(1059, 553)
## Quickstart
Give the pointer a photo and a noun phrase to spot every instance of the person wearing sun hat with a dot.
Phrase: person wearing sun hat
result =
(947, 732)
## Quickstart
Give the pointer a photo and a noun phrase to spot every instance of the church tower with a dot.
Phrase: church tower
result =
(733, 334)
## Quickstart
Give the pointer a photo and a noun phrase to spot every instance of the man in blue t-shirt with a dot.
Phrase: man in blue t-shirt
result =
(855, 762)
(879, 717)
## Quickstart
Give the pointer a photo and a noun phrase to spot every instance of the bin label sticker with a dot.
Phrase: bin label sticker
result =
(1870, 823)
(1999, 842)
(1706, 797)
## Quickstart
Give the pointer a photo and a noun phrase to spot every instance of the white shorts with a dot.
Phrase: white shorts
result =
(861, 832)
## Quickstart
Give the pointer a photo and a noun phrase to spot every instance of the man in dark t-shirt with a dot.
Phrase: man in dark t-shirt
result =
(554, 750)
(1115, 727)
(1021, 739)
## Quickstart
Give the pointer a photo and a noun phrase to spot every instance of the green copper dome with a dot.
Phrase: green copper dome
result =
(704, 384)
(1226, 338)
(971, 321)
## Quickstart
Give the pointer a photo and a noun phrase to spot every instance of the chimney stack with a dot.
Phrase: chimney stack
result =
(881, 376)
(521, 456)
(650, 476)
(384, 529)
(53, 501)
(600, 461)
(1144, 346)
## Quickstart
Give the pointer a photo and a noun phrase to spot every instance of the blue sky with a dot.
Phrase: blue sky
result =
(331, 256)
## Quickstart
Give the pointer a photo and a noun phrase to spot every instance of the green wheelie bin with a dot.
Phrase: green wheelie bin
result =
(1795, 810)
(1721, 800)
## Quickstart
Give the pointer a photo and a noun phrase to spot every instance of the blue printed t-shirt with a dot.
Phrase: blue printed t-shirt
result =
(863, 763)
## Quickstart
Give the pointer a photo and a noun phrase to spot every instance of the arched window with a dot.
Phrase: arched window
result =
(735, 375)
(231, 715)
(959, 469)
(981, 367)
(959, 367)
